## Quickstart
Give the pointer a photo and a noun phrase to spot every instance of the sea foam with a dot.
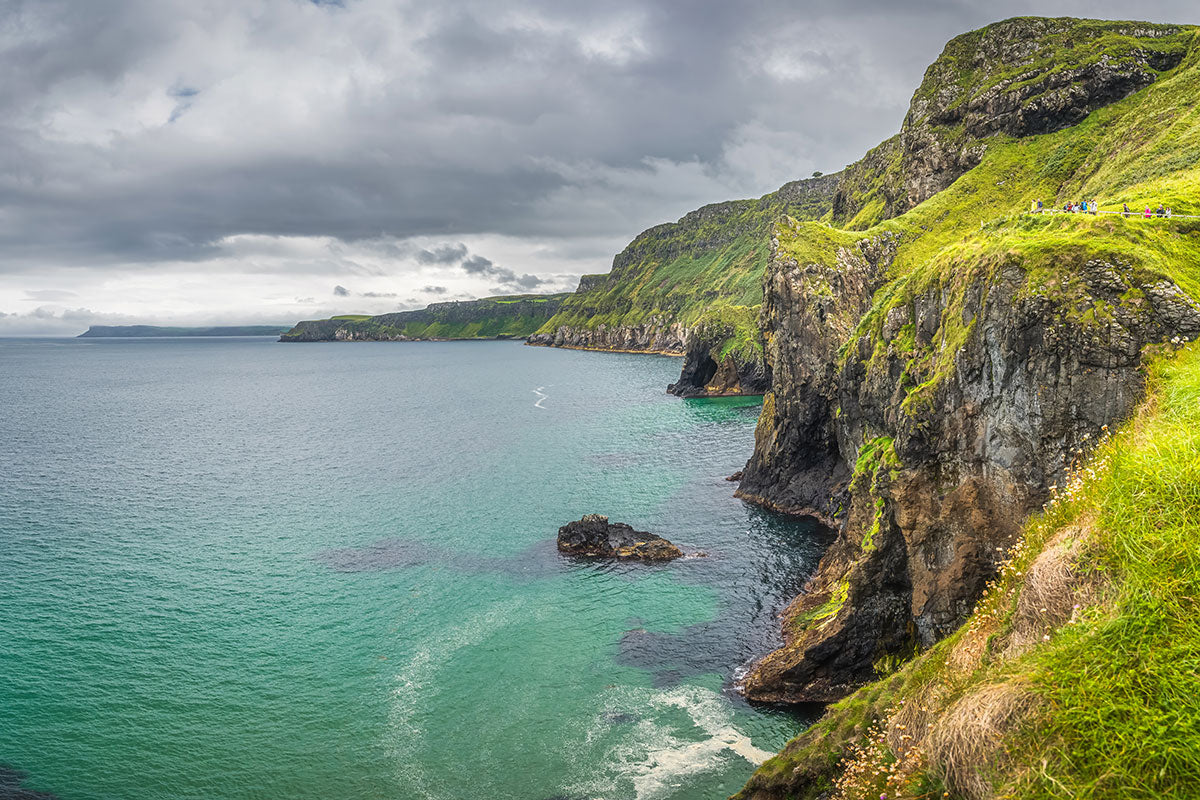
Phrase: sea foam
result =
(656, 754)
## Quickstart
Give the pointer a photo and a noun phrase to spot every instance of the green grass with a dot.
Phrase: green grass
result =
(695, 271)
(1128, 152)
(509, 316)
(1123, 690)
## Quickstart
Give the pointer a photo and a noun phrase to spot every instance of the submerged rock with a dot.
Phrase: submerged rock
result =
(594, 535)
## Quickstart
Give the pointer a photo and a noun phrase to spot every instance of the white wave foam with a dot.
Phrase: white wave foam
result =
(541, 397)
(417, 677)
(655, 756)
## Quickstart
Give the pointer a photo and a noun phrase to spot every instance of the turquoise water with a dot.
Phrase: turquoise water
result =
(242, 569)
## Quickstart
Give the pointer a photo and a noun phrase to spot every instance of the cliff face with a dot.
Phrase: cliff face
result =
(691, 288)
(935, 375)
(1076, 659)
(930, 476)
(511, 317)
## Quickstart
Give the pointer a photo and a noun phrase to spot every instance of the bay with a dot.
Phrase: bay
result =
(234, 568)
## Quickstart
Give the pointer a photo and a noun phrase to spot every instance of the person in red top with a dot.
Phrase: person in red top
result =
(1147, 212)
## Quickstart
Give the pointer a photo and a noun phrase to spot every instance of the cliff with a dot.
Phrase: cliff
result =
(1075, 675)
(942, 362)
(692, 288)
(507, 317)
(1020, 77)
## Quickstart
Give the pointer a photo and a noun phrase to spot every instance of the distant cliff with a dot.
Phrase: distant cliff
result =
(692, 288)
(127, 331)
(511, 317)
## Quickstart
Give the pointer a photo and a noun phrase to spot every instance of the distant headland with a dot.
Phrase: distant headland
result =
(136, 331)
(506, 317)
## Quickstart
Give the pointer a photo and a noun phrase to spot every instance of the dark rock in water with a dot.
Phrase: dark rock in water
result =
(737, 476)
(619, 718)
(594, 535)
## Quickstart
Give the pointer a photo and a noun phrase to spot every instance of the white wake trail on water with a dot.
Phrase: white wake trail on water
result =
(656, 756)
(417, 679)
(541, 397)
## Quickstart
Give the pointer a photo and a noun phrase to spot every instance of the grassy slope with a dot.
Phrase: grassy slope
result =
(675, 273)
(1051, 46)
(1117, 692)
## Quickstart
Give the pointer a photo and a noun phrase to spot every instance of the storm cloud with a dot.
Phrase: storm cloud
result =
(168, 160)
(506, 278)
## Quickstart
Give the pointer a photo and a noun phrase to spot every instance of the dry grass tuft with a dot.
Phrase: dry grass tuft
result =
(909, 724)
(1056, 588)
(966, 740)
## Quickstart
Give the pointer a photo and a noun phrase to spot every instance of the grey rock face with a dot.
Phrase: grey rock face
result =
(659, 335)
(808, 311)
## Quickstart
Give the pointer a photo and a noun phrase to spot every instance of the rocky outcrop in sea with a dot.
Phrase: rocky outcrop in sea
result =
(595, 536)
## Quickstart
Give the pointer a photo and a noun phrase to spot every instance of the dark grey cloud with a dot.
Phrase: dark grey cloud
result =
(508, 280)
(443, 254)
(341, 291)
(434, 289)
(378, 294)
(150, 134)
(478, 265)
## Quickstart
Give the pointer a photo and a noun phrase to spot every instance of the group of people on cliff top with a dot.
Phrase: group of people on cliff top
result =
(1092, 207)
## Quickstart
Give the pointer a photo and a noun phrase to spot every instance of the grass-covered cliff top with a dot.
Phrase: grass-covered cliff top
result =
(1021, 77)
(1143, 151)
(505, 316)
(1078, 675)
(987, 90)
(1023, 49)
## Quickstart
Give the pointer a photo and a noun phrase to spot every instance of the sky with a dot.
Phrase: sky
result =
(265, 161)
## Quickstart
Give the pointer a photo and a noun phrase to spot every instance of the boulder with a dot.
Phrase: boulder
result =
(594, 535)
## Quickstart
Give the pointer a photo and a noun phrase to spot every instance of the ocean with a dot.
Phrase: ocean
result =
(234, 568)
